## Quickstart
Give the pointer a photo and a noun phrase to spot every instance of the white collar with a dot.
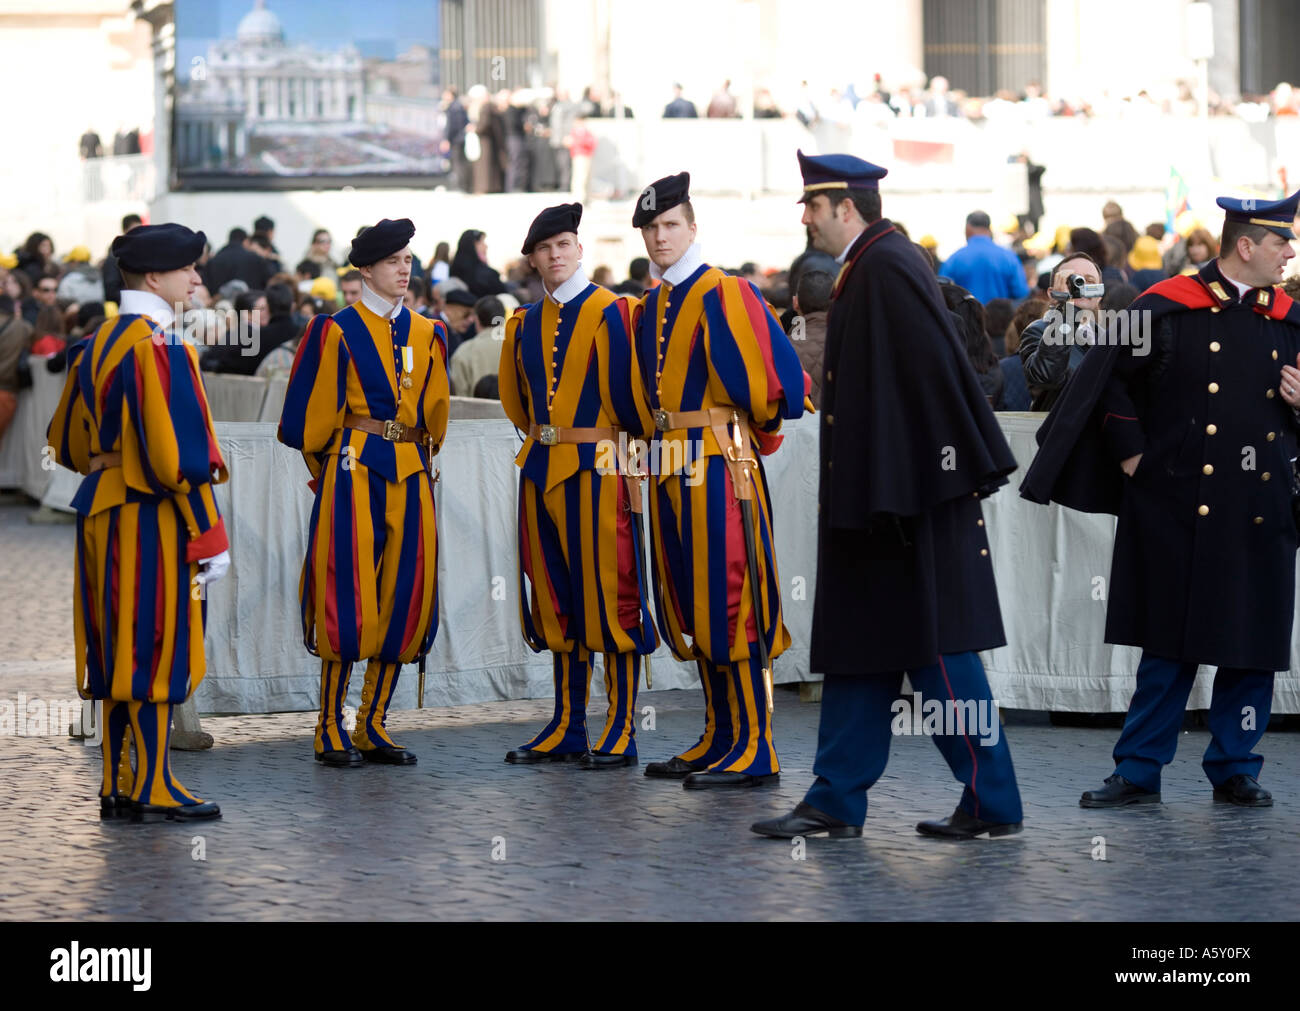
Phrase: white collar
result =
(843, 255)
(570, 289)
(690, 262)
(146, 303)
(1241, 288)
(381, 307)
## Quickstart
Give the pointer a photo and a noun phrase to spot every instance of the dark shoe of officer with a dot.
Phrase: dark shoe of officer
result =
(1118, 792)
(726, 780)
(960, 825)
(529, 756)
(202, 811)
(114, 807)
(805, 820)
(674, 768)
(604, 760)
(388, 756)
(340, 759)
(1245, 791)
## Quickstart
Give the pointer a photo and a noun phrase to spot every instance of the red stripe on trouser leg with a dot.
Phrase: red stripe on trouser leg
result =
(974, 762)
(330, 732)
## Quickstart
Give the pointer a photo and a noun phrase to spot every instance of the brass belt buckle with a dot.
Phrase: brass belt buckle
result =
(550, 435)
(661, 420)
(394, 431)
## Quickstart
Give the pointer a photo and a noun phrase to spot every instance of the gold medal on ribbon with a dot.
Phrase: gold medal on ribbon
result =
(408, 365)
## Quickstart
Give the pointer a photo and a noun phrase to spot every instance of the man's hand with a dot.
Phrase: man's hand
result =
(1290, 385)
(1130, 465)
(212, 569)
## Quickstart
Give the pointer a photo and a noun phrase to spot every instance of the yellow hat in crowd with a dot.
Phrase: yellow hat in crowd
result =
(324, 288)
(1145, 254)
(929, 242)
(77, 254)
(110, 310)
(8, 261)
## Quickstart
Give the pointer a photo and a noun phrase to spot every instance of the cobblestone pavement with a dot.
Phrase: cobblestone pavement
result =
(299, 841)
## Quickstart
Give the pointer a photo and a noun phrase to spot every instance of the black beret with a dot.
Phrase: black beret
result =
(660, 196)
(459, 297)
(552, 221)
(378, 241)
(158, 247)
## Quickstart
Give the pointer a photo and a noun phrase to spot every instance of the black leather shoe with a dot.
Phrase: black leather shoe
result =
(806, 820)
(185, 812)
(1245, 791)
(388, 756)
(340, 759)
(674, 768)
(114, 807)
(527, 756)
(726, 780)
(604, 760)
(960, 825)
(1118, 792)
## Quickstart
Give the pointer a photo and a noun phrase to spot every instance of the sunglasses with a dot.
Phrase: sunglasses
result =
(47, 288)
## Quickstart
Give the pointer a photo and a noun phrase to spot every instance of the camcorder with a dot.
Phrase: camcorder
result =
(1077, 287)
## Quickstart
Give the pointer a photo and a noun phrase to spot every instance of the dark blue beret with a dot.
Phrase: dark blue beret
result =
(837, 172)
(662, 195)
(378, 241)
(1275, 215)
(459, 296)
(552, 221)
(147, 248)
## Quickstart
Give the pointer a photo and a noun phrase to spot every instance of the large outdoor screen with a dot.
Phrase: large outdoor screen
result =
(300, 93)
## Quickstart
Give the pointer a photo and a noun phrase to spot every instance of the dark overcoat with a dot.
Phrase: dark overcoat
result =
(1203, 568)
(909, 446)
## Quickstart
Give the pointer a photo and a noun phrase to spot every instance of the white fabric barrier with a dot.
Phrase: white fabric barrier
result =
(23, 462)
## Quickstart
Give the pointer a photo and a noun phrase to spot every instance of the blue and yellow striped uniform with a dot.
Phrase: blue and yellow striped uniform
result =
(708, 342)
(580, 547)
(143, 522)
(369, 587)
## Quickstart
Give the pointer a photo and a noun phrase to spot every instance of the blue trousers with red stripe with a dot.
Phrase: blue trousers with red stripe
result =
(1239, 710)
(856, 726)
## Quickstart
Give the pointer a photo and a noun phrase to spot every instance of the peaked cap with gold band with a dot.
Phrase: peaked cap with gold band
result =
(1275, 215)
(837, 172)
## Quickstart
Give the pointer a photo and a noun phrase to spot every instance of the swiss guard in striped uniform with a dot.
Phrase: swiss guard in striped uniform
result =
(367, 406)
(569, 382)
(721, 375)
(134, 419)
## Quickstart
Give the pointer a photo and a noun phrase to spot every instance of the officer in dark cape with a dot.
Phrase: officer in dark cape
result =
(1185, 427)
(909, 446)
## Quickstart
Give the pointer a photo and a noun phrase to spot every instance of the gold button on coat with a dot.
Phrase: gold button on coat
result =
(1214, 387)
(1259, 520)
(1204, 510)
(1215, 345)
(1269, 394)
(1211, 429)
(1265, 476)
(1208, 469)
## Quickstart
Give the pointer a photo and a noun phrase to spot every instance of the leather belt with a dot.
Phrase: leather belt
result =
(104, 461)
(709, 417)
(553, 435)
(718, 419)
(393, 431)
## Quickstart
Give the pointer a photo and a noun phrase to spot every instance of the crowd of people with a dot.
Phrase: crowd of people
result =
(253, 307)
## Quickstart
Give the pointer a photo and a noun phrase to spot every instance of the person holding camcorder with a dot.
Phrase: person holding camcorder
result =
(1052, 347)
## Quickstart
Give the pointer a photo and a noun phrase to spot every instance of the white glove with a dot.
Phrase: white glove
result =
(212, 569)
